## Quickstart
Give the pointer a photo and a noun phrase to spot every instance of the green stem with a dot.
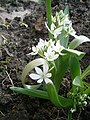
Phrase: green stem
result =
(69, 115)
(49, 14)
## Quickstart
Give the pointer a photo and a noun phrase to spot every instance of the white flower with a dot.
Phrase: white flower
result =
(54, 19)
(50, 43)
(53, 27)
(50, 55)
(40, 75)
(85, 103)
(55, 31)
(72, 32)
(58, 48)
(40, 47)
(72, 110)
(61, 22)
(35, 50)
(41, 44)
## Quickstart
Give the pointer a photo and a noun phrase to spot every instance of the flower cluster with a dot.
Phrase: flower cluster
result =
(61, 23)
(81, 100)
(49, 50)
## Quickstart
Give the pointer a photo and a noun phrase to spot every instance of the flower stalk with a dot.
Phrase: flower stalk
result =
(49, 14)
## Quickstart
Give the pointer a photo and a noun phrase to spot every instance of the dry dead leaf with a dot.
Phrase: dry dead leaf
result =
(11, 16)
(20, 14)
(39, 23)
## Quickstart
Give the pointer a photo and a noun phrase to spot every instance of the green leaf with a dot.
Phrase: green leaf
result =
(86, 84)
(75, 69)
(30, 66)
(79, 54)
(63, 39)
(55, 98)
(52, 93)
(86, 72)
(78, 82)
(77, 41)
(61, 66)
(87, 91)
(65, 101)
(31, 92)
(49, 15)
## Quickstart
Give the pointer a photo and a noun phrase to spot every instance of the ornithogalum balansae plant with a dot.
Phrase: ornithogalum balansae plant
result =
(56, 56)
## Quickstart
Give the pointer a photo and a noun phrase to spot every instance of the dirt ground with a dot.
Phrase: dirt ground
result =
(16, 40)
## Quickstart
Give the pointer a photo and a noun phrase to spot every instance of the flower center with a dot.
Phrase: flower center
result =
(43, 75)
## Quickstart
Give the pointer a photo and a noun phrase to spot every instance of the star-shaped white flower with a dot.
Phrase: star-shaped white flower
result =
(53, 30)
(40, 75)
(35, 50)
(58, 48)
(50, 55)
(39, 47)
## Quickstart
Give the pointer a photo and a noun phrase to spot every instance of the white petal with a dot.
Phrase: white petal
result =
(49, 50)
(53, 26)
(48, 28)
(51, 57)
(45, 53)
(34, 76)
(55, 57)
(34, 49)
(48, 75)
(40, 80)
(41, 43)
(38, 70)
(45, 68)
(58, 31)
(55, 35)
(47, 81)
(32, 53)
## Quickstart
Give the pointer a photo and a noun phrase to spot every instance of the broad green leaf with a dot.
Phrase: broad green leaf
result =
(52, 93)
(63, 39)
(31, 92)
(61, 64)
(55, 98)
(78, 53)
(65, 101)
(75, 69)
(78, 82)
(86, 72)
(77, 41)
(30, 66)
